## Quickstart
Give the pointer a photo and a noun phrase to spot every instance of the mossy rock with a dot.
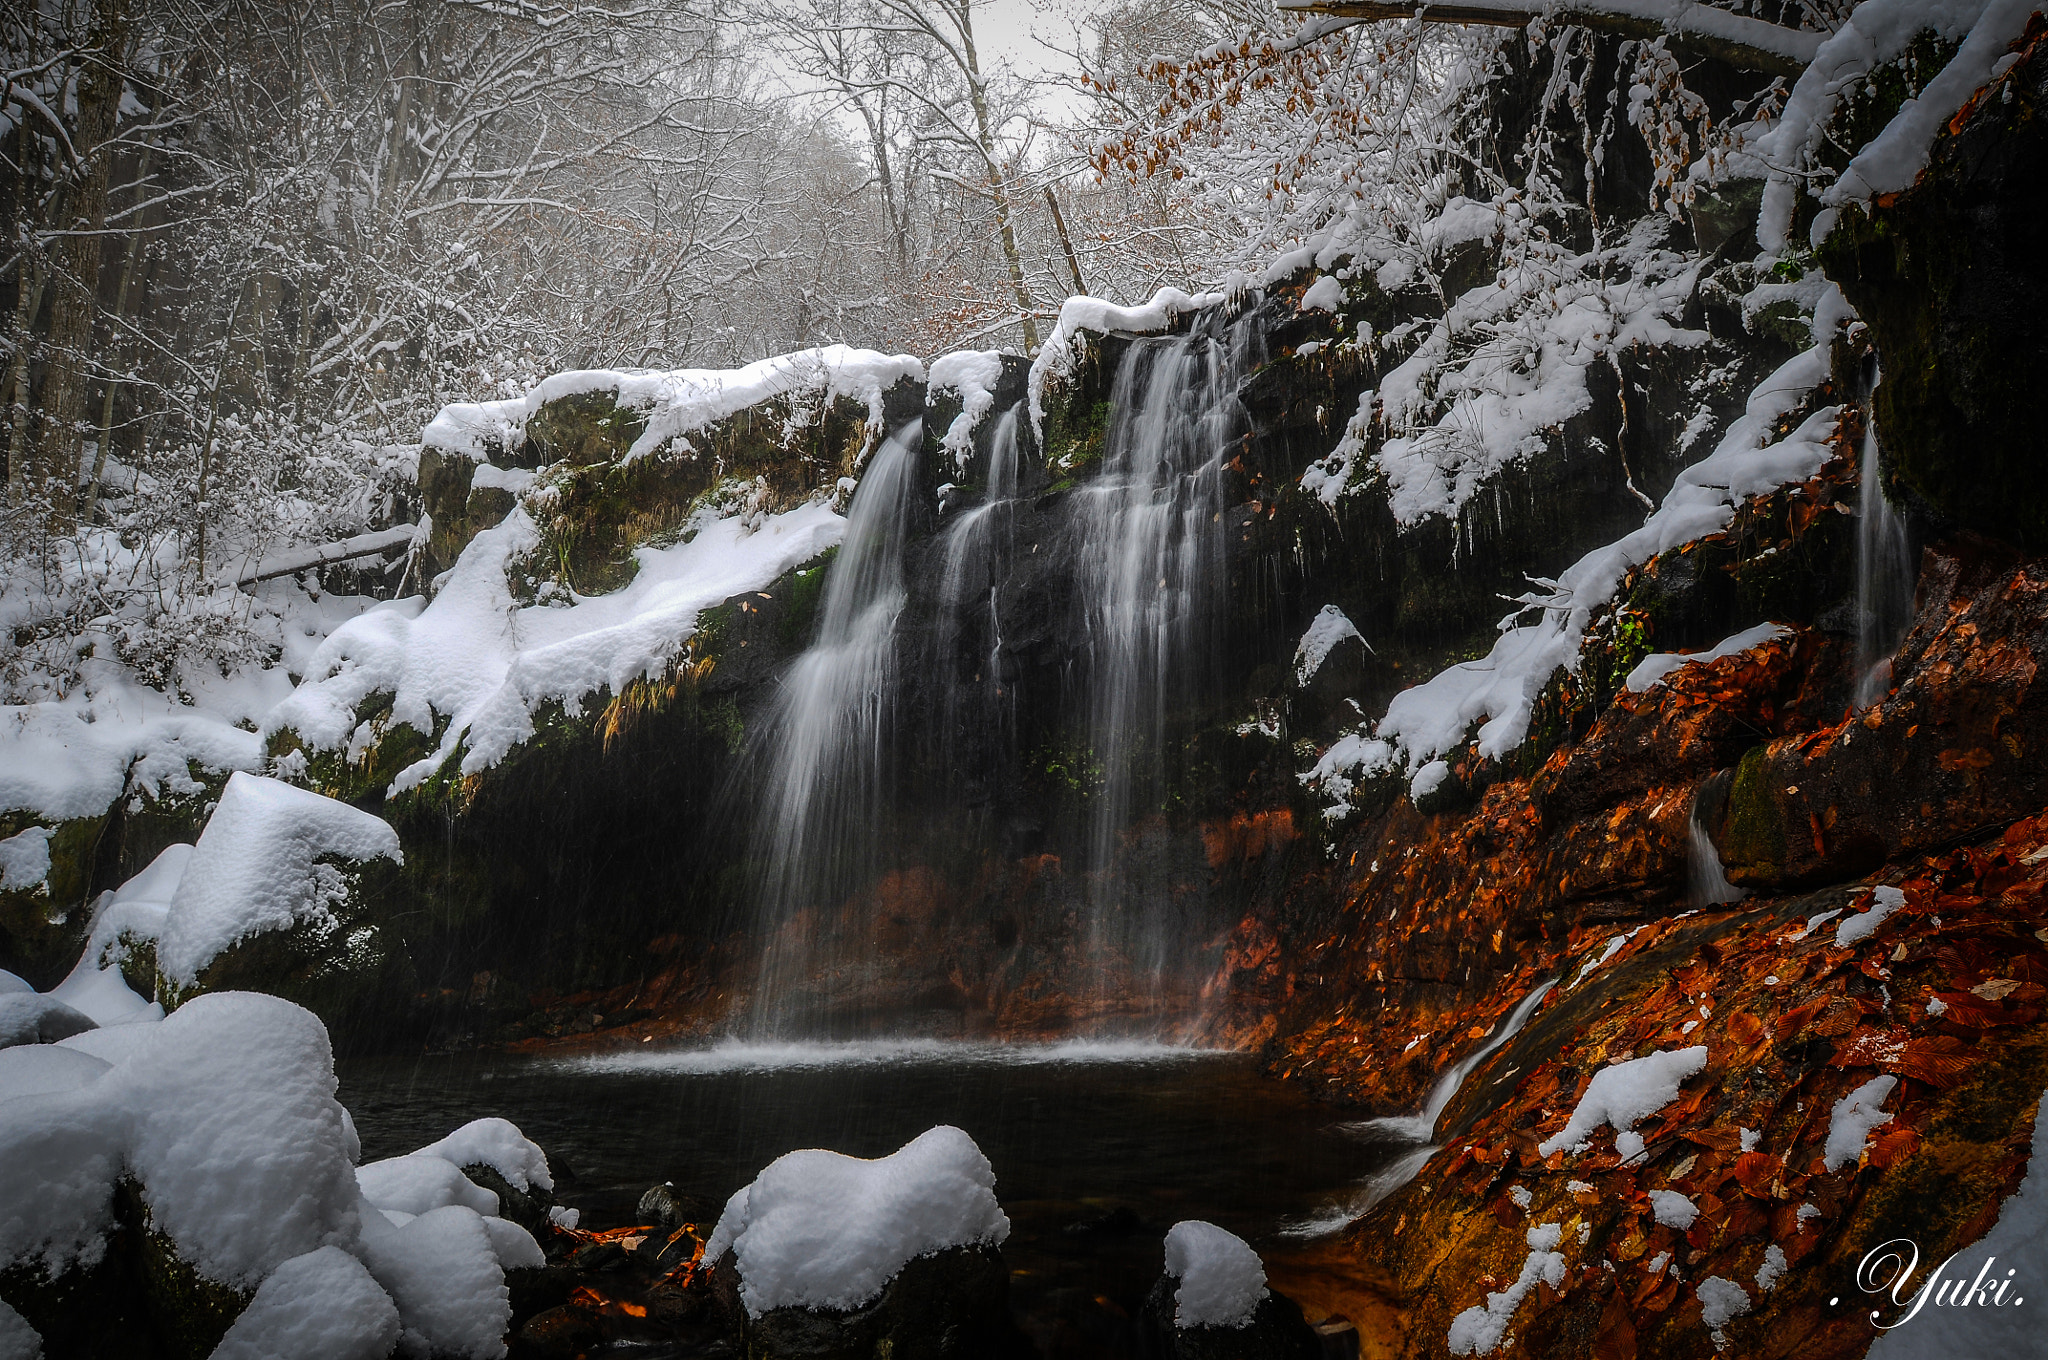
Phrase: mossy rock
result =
(42, 928)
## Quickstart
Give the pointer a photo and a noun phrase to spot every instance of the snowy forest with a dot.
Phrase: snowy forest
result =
(971, 679)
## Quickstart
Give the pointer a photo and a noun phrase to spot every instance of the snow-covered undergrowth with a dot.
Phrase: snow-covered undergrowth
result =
(224, 1114)
(820, 1230)
(1222, 1280)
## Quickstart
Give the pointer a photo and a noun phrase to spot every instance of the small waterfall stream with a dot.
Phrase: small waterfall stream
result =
(1884, 578)
(827, 742)
(1707, 882)
(975, 554)
(1149, 554)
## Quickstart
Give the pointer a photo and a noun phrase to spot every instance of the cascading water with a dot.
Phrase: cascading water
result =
(1707, 882)
(1884, 578)
(1149, 552)
(975, 552)
(826, 746)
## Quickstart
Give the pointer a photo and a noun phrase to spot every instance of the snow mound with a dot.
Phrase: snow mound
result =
(1723, 1300)
(257, 868)
(1625, 1094)
(415, 1184)
(1326, 294)
(18, 1340)
(442, 1271)
(1853, 1118)
(499, 1145)
(33, 1018)
(820, 1230)
(46, 1069)
(1062, 349)
(320, 1306)
(1673, 1210)
(1222, 1280)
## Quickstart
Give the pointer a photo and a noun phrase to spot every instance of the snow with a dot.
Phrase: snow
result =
(32, 1018)
(499, 1145)
(2018, 1239)
(1651, 670)
(9, 983)
(1326, 294)
(18, 1340)
(1222, 1280)
(33, 1069)
(1614, 946)
(1879, 31)
(1625, 1094)
(25, 860)
(482, 662)
(974, 374)
(1673, 1210)
(1063, 348)
(320, 1306)
(1855, 929)
(1773, 1268)
(1480, 1330)
(1325, 631)
(680, 402)
(415, 1184)
(1497, 695)
(820, 1230)
(258, 867)
(225, 1114)
(1853, 1118)
(442, 1271)
(103, 996)
(1722, 1300)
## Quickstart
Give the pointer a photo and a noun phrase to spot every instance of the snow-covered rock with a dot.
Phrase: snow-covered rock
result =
(1221, 1278)
(261, 865)
(820, 1230)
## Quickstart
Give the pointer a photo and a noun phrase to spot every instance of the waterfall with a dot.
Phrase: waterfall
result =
(1707, 883)
(1884, 578)
(1148, 551)
(826, 745)
(974, 555)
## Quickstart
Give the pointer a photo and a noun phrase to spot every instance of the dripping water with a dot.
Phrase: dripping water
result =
(826, 745)
(974, 554)
(1707, 882)
(1884, 578)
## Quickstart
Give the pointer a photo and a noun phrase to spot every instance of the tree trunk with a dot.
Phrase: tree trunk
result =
(75, 268)
(999, 182)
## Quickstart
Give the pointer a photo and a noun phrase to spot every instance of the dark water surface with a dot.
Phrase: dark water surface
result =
(1076, 1134)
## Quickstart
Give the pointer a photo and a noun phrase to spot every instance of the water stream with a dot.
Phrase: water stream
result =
(1884, 577)
(827, 745)
(1707, 882)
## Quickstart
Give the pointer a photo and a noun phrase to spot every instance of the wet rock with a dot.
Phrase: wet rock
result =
(1276, 1331)
(1121, 1221)
(559, 1333)
(667, 1209)
(528, 1208)
(950, 1305)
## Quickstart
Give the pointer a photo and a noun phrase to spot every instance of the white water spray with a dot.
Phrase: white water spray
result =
(1884, 578)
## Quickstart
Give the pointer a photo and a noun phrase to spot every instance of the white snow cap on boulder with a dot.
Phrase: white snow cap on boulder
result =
(1329, 627)
(820, 1230)
(1222, 1280)
(255, 869)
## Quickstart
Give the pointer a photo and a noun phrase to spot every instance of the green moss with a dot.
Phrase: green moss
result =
(1752, 838)
(802, 590)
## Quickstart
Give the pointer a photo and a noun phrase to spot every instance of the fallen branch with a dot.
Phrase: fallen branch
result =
(326, 554)
(1751, 44)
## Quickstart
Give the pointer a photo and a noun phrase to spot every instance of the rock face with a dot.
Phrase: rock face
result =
(1276, 1331)
(949, 1305)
